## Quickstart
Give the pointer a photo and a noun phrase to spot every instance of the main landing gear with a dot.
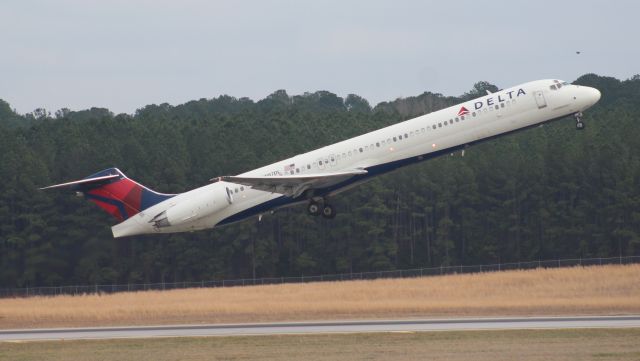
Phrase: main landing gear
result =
(315, 209)
(579, 122)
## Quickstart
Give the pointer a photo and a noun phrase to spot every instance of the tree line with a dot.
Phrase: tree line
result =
(549, 192)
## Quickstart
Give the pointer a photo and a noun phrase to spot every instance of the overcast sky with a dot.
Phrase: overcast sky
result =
(126, 54)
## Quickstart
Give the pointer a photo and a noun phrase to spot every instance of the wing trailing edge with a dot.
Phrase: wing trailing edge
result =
(292, 185)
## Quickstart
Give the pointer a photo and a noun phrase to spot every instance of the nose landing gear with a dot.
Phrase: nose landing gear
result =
(579, 122)
(315, 209)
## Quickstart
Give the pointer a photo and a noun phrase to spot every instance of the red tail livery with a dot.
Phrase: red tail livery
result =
(118, 195)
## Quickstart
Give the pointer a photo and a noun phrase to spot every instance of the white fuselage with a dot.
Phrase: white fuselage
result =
(378, 151)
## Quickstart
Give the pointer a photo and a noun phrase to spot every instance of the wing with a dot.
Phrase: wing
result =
(293, 185)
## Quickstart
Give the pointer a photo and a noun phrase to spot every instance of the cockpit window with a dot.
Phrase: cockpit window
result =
(557, 84)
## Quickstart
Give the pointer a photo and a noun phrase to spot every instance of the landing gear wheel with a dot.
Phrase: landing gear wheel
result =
(328, 212)
(313, 209)
(579, 122)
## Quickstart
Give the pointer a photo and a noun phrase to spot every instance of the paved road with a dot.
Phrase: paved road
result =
(321, 327)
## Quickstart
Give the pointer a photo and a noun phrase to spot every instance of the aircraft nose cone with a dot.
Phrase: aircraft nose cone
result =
(595, 95)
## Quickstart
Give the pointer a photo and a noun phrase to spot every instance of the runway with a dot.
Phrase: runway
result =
(290, 328)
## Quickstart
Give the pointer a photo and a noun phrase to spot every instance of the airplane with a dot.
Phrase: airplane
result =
(316, 176)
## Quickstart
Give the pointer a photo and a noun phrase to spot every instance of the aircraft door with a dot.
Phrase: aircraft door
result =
(540, 101)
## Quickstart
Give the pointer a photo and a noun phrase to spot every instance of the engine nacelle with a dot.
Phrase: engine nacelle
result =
(195, 207)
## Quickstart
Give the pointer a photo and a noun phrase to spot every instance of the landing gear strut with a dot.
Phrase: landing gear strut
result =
(315, 209)
(579, 122)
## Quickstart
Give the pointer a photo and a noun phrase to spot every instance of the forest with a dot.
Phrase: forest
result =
(548, 192)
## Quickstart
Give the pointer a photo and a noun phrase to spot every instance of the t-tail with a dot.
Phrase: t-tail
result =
(118, 195)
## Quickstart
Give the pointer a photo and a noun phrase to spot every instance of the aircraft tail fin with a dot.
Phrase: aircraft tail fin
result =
(112, 191)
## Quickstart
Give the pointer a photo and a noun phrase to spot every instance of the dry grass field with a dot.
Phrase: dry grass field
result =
(603, 290)
(523, 345)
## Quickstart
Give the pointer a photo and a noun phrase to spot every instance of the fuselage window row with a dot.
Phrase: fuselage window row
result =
(331, 160)
(382, 142)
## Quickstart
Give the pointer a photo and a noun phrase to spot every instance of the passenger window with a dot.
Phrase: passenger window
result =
(297, 170)
(377, 144)
(434, 126)
(320, 162)
(559, 86)
(241, 189)
(422, 130)
(360, 150)
(474, 114)
(400, 137)
(308, 166)
(501, 105)
(350, 153)
(394, 139)
(497, 107)
(439, 125)
(406, 135)
(553, 87)
(451, 120)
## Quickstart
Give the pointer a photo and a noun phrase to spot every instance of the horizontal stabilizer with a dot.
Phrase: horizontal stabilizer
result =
(293, 185)
(91, 181)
